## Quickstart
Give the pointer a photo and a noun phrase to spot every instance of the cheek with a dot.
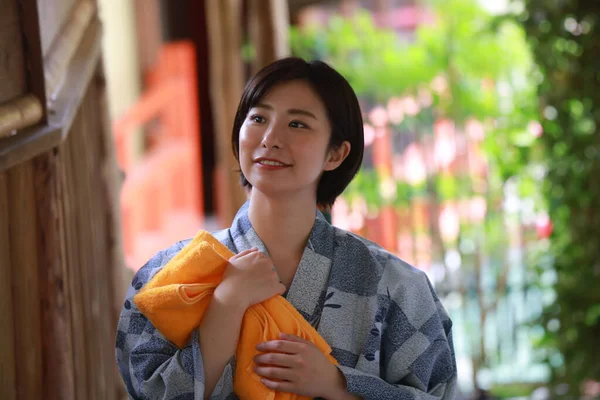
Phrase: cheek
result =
(246, 141)
(251, 132)
(315, 150)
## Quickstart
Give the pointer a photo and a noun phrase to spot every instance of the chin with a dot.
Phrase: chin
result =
(270, 189)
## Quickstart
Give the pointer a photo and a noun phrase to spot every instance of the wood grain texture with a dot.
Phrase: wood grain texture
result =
(8, 389)
(31, 142)
(88, 252)
(12, 60)
(54, 298)
(25, 283)
(84, 254)
(58, 250)
(62, 314)
(73, 267)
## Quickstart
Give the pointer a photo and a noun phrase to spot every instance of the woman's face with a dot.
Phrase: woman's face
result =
(283, 142)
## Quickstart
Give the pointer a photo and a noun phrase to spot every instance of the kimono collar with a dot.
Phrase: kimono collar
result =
(308, 287)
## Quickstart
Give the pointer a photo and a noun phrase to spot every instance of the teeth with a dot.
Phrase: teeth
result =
(273, 163)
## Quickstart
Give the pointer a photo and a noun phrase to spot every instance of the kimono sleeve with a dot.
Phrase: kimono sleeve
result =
(151, 366)
(417, 354)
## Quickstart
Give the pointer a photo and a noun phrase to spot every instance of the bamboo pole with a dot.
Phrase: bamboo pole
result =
(21, 113)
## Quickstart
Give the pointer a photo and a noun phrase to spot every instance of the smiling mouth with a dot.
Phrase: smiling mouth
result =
(271, 163)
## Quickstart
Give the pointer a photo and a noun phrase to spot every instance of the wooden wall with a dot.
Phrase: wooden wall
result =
(57, 319)
(60, 258)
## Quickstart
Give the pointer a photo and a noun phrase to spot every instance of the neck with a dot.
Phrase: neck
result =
(283, 224)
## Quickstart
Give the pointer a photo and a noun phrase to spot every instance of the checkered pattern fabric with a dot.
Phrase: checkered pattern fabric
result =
(383, 320)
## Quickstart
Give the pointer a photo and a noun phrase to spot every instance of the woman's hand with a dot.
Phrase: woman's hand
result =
(295, 365)
(248, 280)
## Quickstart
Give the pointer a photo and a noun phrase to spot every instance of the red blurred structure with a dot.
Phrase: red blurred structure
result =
(161, 199)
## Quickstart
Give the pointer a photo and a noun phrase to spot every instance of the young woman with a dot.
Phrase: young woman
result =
(298, 137)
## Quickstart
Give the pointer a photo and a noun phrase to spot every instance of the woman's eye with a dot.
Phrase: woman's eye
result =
(257, 118)
(297, 124)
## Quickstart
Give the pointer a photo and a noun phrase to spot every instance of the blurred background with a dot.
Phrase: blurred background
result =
(482, 162)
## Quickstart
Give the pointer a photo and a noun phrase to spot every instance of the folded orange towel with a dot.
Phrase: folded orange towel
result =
(176, 298)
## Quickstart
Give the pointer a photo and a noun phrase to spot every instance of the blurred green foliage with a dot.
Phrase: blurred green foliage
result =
(565, 38)
(457, 61)
(462, 47)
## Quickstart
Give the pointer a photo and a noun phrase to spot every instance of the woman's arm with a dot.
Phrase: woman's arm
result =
(249, 279)
(153, 367)
(219, 334)
(150, 365)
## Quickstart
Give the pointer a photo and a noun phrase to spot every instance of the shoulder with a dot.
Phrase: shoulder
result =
(409, 297)
(385, 259)
(395, 274)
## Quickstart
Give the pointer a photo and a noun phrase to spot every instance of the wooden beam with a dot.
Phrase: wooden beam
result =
(64, 47)
(80, 70)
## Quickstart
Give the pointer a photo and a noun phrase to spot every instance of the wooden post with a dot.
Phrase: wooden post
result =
(226, 77)
(269, 31)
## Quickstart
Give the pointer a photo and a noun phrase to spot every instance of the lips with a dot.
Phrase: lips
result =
(270, 162)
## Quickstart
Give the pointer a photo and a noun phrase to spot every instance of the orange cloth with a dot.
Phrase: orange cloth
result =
(176, 298)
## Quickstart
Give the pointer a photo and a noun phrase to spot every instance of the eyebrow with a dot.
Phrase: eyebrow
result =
(293, 111)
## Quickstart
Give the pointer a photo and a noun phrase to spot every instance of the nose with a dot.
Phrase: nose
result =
(272, 138)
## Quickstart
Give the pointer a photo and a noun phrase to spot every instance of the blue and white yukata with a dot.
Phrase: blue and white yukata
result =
(382, 318)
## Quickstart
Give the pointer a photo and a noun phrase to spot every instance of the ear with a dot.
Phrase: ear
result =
(336, 157)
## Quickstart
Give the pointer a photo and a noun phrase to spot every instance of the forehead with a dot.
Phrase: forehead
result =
(294, 94)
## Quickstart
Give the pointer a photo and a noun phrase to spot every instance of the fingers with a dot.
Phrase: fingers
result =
(254, 256)
(277, 360)
(281, 287)
(287, 387)
(292, 338)
(244, 253)
(281, 346)
(285, 374)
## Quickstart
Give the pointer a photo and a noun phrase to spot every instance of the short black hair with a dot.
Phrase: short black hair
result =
(342, 108)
